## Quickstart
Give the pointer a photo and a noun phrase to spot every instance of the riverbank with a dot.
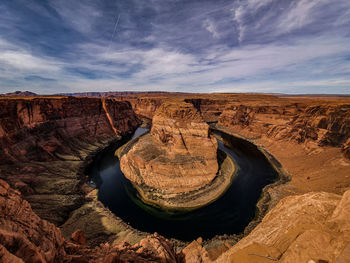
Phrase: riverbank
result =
(271, 193)
(192, 200)
(225, 221)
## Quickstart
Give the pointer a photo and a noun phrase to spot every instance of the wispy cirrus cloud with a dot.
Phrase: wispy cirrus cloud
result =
(207, 46)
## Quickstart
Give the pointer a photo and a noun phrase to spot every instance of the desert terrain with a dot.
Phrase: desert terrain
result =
(49, 212)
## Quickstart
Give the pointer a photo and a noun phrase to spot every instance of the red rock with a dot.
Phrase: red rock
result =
(179, 155)
(23, 233)
(326, 124)
(24, 237)
(56, 131)
(79, 237)
(39, 129)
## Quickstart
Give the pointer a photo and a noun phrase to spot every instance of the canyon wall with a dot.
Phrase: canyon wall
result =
(25, 237)
(310, 138)
(308, 135)
(313, 227)
(42, 129)
(44, 142)
(325, 124)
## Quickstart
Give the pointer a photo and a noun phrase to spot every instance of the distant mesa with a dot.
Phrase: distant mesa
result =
(20, 94)
(176, 163)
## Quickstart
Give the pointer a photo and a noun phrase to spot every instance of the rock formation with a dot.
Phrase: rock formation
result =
(178, 156)
(19, 93)
(313, 227)
(310, 137)
(44, 142)
(25, 237)
(328, 125)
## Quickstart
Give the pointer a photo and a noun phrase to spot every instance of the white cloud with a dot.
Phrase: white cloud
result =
(24, 61)
(15, 58)
(161, 69)
(300, 15)
(155, 62)
(211, 28)
(238, 15)
(81, 15)
(244, 9)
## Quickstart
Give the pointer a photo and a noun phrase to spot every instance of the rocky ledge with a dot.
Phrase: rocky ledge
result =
(176, 164)
(25, 237)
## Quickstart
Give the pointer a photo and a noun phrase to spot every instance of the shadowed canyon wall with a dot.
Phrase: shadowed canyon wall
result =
(327, 125)
(25, 237)
(44, 142)
(308, 135)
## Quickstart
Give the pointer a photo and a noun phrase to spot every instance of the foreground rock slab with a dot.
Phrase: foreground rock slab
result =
(25, 237)
(314, 227)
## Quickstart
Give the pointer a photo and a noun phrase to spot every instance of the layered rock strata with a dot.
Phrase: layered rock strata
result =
(45, 140)
(309, 137)
(25, 237)
(177, 157)
(313, 227)
(325, 124)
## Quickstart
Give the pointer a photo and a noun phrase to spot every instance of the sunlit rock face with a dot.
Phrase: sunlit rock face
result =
(181, 129)
(179, 155)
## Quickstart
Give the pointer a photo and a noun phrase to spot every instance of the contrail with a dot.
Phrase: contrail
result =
(115, 30)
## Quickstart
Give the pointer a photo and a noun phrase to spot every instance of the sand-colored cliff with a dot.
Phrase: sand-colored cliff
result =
(178, 156)
(45, 140)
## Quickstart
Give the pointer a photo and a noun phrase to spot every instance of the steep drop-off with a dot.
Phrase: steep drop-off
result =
(44, 142)
(177, 157)
(310, 138)
(308, 135)
(327, 125)
(25, 237)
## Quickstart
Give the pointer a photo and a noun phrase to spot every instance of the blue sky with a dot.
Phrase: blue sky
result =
(287, 46)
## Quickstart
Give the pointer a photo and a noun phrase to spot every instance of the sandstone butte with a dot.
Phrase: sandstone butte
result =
(47, 141)
(177, 157)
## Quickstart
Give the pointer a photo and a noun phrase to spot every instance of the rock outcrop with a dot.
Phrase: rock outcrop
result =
(23, 234)
(146, 107)
(313, 227)
(25, 237)
(45, 140)
(43, 129)
(178, 156)
(180, 128)
(19, 93)
(325, 124)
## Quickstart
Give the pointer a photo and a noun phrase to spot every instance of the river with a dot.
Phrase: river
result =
(230, 214)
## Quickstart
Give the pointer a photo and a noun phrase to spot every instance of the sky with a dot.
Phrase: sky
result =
(270, 46)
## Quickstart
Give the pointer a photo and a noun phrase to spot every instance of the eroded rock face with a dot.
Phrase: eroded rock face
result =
(23, 234)
(25, 237)
(45, 140)
(40, 129)
(326, 124)
(179, 154)
(313, 227)
(181, 129)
